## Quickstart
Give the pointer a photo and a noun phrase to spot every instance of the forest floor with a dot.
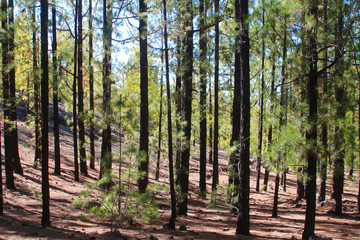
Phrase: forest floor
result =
(22, 207)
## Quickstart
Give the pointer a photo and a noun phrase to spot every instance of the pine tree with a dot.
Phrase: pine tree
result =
(55, 92)
(45, 219)
(144, 108)
(91, 89)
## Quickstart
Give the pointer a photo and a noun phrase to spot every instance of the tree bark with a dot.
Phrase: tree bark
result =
(202, 104)
(324, 125)
(157, 173)
(45, 219)
(37, 156)
(243, 222)
(144, 107)
(215, 180)
(91, 89)
(311, 133)
(187, 100)
(81, 117)
(261, 114)
(170, 141)
(106, 156)
(55, 93)
(340, 97)
(13, 141)
(76, 163)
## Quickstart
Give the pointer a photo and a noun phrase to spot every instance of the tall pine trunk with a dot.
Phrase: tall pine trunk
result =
(170, 141)
(215, 180)
(187, 101)
(324, 125)
(45, 219)
(55, 93)
(144, 105)
(340, 97)
(9, 172)
(75, 145)
(261, 114)
(81, 117)
(91, 89)
(36, 79)
(14, 147)
(106, 155)
(202, 69)
(243, 222)
(311, 133)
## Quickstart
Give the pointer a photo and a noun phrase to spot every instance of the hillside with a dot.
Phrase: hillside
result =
(22, 209)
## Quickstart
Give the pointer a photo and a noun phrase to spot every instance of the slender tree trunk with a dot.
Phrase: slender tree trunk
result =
(215, 180)
(106, 156)
(178, 103)
(157, 173)
(203, 82)
(91, 86)
(144, 107)
(12, 100)
(76, 163)
(187, 100)
(81, 118)
(340, 97)
(55, 93)
(243, 222)
(261, 115)
(45, 219)
(282, 120)
(311, 133)
(37, 156)
(358, 197)
(211, 131)
(9, 172)
(170, 141)
(324, 125)
(236, 113)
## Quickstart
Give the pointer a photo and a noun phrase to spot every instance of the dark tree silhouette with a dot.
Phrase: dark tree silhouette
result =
(187, 101)
(202, 70)
(91, 88)
(243, 222)
(45, 219)
(311, 133)
(55, 93)
(144, 108)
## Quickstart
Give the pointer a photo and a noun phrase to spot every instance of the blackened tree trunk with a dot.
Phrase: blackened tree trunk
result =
(340, 97)
(187, 100)
(324, 125)
(358, 197)
(81, 118)
(76, 163)
(36, 89)
(243, 222)
(215, 180)
(170, 141)
(144, 108)
(261, 114)
(106, 157)
(203, 65)
(236, 113)
(9, 173)
(311, 133)
(91, 89)
(14, 154)
(55, 93)
(45, 219)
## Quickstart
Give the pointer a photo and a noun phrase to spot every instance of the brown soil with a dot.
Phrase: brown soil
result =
(22, 207)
